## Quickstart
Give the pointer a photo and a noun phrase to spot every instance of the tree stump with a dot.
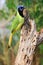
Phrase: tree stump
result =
(29, 41)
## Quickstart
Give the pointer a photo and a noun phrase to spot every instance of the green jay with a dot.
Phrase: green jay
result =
(17, 22)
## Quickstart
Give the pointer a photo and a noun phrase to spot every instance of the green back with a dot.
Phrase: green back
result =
(17, 20)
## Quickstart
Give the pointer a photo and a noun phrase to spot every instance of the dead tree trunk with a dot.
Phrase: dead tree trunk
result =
(29, 41)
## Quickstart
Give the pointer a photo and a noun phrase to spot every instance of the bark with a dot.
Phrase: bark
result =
(40, 37)
(29, 40)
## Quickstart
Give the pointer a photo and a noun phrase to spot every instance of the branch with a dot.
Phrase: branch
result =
(40, 37)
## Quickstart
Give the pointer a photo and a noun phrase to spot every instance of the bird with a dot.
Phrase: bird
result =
(16, 23)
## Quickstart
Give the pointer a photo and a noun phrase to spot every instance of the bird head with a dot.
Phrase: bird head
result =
(22, 11)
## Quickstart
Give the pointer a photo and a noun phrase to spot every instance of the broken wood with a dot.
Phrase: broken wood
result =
(29, 41)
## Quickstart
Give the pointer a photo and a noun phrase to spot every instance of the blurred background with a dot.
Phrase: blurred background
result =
(7, 14)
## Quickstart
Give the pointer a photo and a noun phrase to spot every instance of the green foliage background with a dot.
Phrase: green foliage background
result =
(35, 8)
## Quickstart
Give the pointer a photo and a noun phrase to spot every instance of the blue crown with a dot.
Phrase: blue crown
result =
(20, 7)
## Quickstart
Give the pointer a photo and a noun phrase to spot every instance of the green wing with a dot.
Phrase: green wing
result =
(17, 20)
(16, 24)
